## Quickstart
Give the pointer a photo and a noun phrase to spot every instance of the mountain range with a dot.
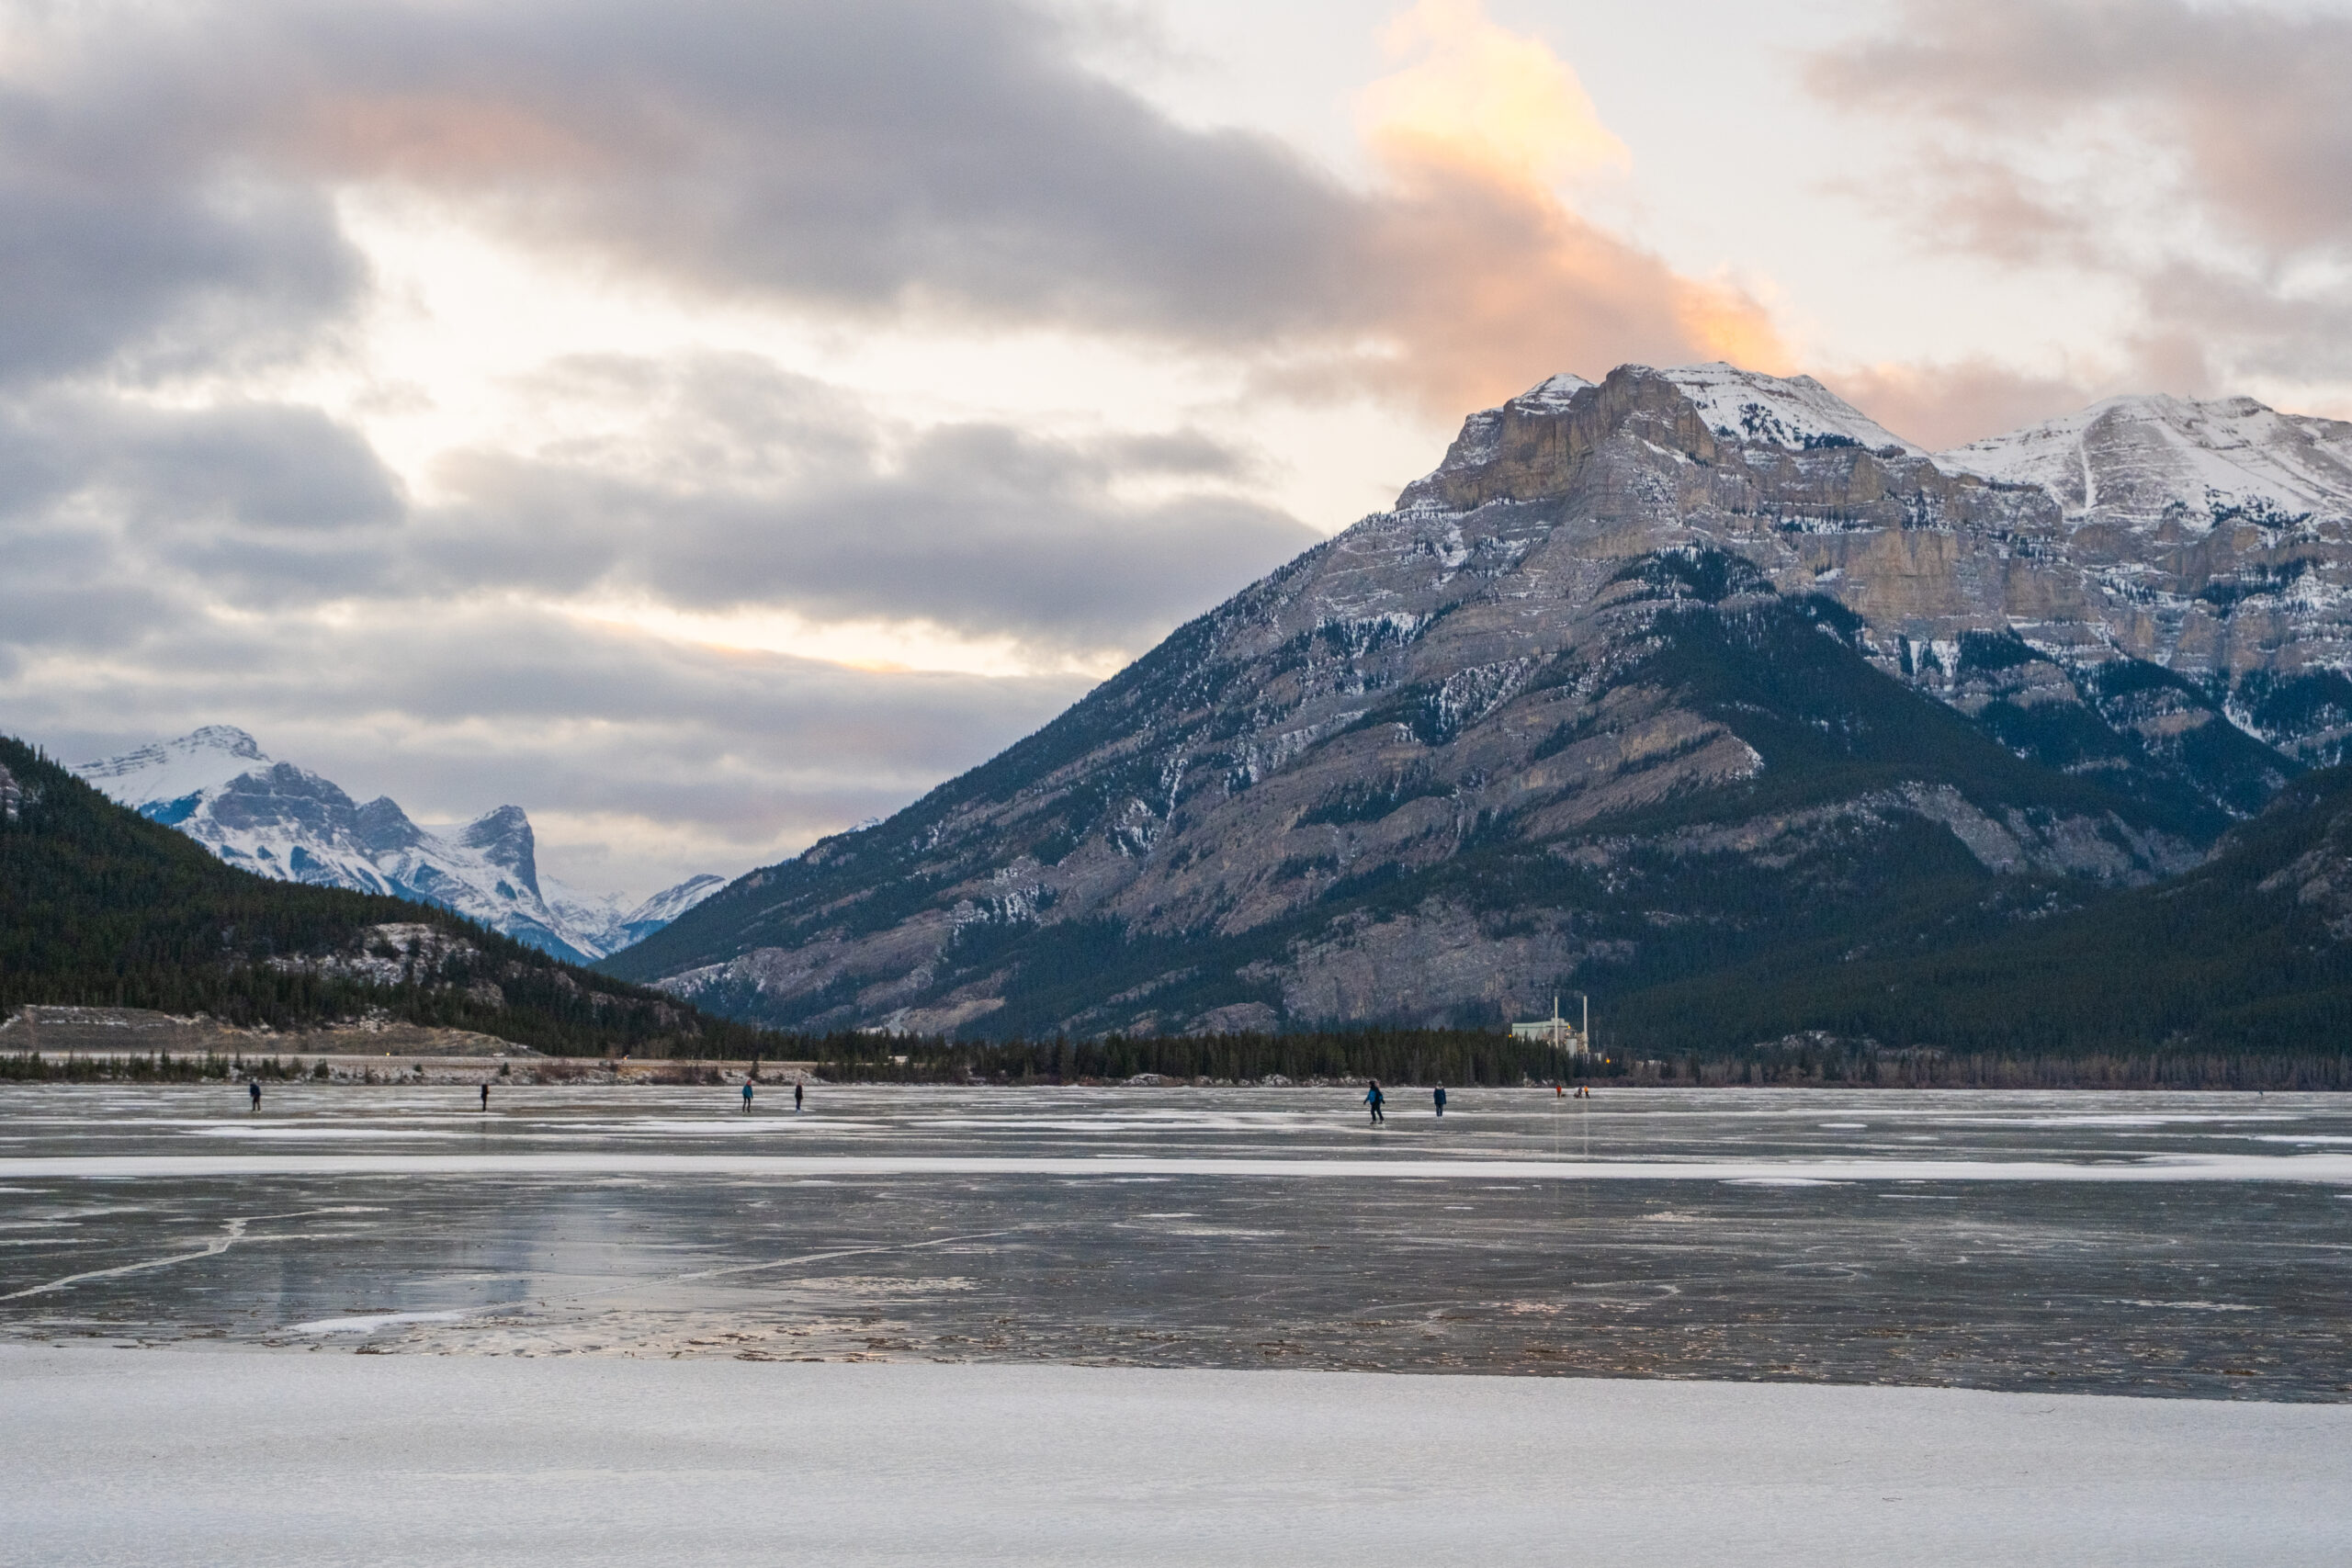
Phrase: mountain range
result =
(217, 787)
(104, 910)
(1675, 675)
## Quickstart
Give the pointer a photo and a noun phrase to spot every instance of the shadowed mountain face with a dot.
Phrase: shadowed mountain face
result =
(2252, 950)
(1649, 678)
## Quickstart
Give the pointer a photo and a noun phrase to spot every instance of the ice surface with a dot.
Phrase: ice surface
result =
(2170, 1168)
(174, 1457)
(1671, 1233)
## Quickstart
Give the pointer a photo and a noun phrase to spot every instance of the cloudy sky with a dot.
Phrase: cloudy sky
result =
(709, 423)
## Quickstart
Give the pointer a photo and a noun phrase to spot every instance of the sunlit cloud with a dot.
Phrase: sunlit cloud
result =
(1476, 96)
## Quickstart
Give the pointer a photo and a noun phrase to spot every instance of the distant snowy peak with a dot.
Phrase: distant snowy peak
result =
(672, 902)
(1794, 413)
(196, 764)
(2146, 461)
(219, 787)
(504, 838)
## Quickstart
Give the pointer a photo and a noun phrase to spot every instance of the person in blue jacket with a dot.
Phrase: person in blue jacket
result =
(1372, 1097)
(1440, 1097)
(747, 1094)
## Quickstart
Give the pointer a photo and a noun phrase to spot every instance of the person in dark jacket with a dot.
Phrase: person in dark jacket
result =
(253, 1088)
(1372, 1097)
(1440, 1097)
(795, 1097)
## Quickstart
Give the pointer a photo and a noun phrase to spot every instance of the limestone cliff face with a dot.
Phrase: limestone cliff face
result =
(1648, 674)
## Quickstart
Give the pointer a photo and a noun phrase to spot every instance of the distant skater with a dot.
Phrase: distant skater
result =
(1440, 1097)
(795, 1097)
(747, 1095)
(485, 1097)
(1372, 1097)
(253, 1088)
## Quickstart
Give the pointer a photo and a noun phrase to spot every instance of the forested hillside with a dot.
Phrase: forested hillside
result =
(101, 908)
(2249, 953)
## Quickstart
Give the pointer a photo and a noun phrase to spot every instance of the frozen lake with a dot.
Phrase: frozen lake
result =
(2111, 1243)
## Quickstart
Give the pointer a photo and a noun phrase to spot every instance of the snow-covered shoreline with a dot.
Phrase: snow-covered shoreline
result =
(175, 1457)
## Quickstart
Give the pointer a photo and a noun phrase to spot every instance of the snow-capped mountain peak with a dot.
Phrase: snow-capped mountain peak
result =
(2144, 461)
(1552, 392)
(504, 838)
(218, 786)
(1795, 413)
(155, 777)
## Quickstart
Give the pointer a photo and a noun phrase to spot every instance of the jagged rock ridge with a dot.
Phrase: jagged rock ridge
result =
(1647, 674)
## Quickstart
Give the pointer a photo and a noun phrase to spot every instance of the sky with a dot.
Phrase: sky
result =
(711, 423)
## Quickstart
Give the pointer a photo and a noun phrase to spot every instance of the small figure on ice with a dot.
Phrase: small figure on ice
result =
(1439, 1095)
(747, 1095)
(485, 1097)
(1372, 1097)
(795, 1097)
(253, 1088)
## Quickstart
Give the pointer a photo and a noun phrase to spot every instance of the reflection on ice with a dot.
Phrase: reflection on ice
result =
(371, 1324)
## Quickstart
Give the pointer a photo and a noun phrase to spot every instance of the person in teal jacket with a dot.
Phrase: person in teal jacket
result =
(1372, 1097)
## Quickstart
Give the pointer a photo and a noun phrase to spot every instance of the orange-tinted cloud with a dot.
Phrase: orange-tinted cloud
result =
(1943, 406)
(1483, 276)
(1476, 95)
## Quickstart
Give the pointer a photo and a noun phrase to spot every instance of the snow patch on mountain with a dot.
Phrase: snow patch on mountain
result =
(1794, 413)
(218, 786)
(2143, 461)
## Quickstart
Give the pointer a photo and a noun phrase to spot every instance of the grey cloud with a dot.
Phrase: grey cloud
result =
(252, 504)
(271, 466)
(2252, 96)
(824, 510)
(854, 154)
(132, 270)
(884, 157)
(141, 542)
(2231, 193)
(721, 761)
(735, 487)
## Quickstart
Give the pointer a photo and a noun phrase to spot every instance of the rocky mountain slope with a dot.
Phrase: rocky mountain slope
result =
(1650, 677)
(101, 908)
(283, 821)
